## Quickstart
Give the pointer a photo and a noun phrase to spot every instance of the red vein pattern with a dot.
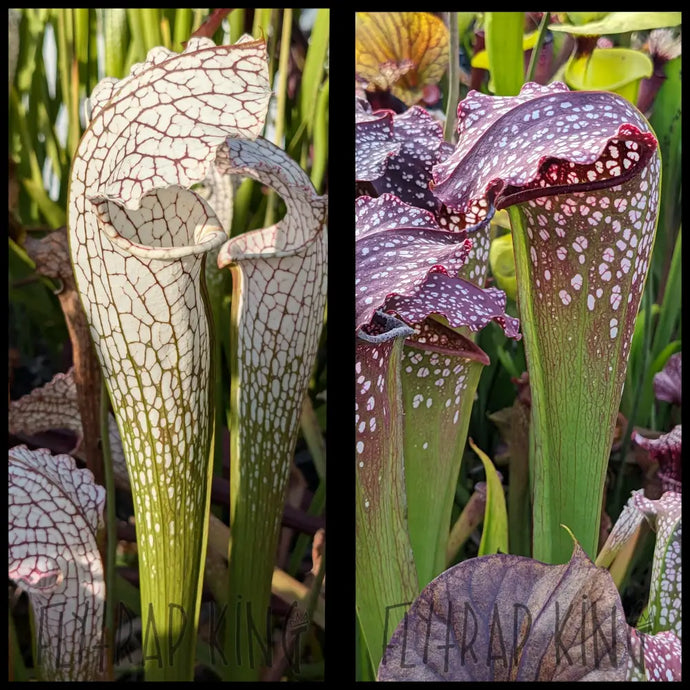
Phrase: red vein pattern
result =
(439, 370)
(396, 154)
(55, 511)
(405, 263)
(583, 169)
(400, 51)
(137, 239)
(667, 452)
(386, 572)
(52, 406)
(545, 137)
(665, 592)
(279, 294)
(55, 406)
(482, 599)
(660, 654)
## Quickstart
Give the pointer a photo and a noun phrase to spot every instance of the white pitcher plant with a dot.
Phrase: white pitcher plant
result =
(139, 234)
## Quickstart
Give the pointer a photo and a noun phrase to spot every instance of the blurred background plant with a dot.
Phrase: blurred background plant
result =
(56, 58)
(634, 54)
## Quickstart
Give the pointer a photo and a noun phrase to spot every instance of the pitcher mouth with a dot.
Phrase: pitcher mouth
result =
(446, 341)
(207, 234)
(234, 253)
(214, 236)
(384, 327)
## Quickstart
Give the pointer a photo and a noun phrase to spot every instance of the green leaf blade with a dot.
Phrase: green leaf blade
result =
(495, 532)
(439, 384)
(504, 32)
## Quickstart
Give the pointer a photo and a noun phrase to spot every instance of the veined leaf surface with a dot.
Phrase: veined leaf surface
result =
(55, 511)
(401, 52)
(279, 294)
(579, 172)
(137, 239)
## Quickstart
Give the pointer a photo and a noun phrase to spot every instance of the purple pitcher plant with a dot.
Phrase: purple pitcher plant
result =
(579, 174)
(414, 361)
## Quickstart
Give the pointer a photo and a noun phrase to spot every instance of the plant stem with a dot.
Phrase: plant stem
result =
(453, 78)
(111, 528)
(313, 596)
(320, 138)
(647, 305)
(670, 305)
(534, 59)
(469, 519)
(285, 39)
(316, 507)
(311, 430)
(182, 28)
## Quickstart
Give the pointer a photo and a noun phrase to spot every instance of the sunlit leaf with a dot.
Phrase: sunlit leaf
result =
(611, 69)
(621, 22)
(315, 62)
(495, 532)
(502, 264)
(480, 60)
(503, 36)
(579, 18)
